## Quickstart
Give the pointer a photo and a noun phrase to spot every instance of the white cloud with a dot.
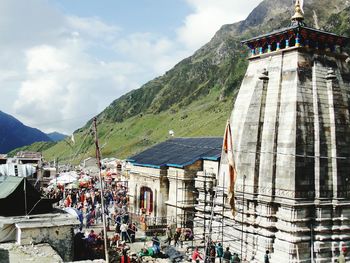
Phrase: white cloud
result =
(208, 16)
(44, 59)
(60, 66)
(63, 82)
(156, 53)
(92, 26)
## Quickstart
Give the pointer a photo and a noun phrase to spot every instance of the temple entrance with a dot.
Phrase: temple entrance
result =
(146, 200)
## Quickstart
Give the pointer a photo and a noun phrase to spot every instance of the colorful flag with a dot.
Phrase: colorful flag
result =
(227, 154)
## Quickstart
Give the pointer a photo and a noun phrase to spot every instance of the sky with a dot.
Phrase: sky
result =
(64, 61)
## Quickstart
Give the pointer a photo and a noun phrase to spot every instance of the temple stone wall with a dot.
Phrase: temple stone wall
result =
(156, 180)
(291, 139)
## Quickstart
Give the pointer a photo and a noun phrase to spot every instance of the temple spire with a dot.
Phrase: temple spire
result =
(298, 17)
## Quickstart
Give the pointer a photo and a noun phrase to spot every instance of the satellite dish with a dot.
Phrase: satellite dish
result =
(171, 133)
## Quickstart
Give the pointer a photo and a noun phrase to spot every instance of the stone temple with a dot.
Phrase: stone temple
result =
(291, 145)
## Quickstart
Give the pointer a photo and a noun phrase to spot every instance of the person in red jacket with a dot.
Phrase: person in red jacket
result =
(124, 258)
(196, 256)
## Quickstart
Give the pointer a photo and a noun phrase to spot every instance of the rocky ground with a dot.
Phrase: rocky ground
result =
(44, 253)
(13, 253)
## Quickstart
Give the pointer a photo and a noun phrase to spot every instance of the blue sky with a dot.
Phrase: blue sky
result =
(64, 61)
(162, 16)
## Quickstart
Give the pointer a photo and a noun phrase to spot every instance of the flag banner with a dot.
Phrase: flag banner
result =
(301, 5)
(227, 167)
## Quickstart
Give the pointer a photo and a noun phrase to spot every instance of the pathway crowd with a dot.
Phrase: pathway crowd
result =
(86, 202)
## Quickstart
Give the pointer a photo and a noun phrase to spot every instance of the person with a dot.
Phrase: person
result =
(219, 251)
(227, 255)
(155, 243)
(169, 234)
(267, 257)
(124, 229)
(177, 236)
(341, 258)
(182, 237)
(115, 240)
(235, 258)
(212, 253)
(133, 230)
(118, 221)
(196, 256)
(79, 245)
(124, 258)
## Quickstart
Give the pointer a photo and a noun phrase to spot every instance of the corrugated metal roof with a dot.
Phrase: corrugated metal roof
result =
(179, 152)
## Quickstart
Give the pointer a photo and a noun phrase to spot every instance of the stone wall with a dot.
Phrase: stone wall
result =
(156, 180)
(60, 238)
(291, 139)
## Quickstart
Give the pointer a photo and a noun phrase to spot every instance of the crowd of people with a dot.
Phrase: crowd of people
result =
(86, 202)
(213, 252)
(90, 245)
(178, 236)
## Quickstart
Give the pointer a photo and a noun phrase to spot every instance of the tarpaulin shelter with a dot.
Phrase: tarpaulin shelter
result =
(19, 197)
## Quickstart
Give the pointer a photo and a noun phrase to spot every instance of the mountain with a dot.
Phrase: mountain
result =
(195, 98)
(14, 134)
(56, 136)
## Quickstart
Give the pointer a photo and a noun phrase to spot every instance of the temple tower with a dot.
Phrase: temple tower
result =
(291, 144)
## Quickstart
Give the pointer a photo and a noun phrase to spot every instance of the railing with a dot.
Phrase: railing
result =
(151, 221)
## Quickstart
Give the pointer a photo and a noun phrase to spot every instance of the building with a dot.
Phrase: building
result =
(26, 218)
(3, 159)
(23, 164)
(161, 179)
(291, 145)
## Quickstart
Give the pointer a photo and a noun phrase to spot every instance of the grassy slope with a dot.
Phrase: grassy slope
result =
(204, 117)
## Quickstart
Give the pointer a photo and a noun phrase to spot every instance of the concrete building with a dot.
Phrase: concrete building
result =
(55, 228)
(291, 146)
(26, 218)
(161, 179)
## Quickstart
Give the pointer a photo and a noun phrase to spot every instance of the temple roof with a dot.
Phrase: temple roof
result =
(304, 30)
(179, 152)
(298, 34)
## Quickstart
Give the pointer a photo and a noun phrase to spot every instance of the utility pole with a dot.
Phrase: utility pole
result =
(98, 157)
(223, 210)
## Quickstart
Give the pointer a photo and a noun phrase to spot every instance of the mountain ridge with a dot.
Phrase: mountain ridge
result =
(196, 96)
(14, 134)
(56, 136)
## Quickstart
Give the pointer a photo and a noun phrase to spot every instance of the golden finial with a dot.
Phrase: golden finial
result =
(298, 16)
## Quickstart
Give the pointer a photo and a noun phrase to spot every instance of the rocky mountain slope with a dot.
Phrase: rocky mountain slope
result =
(196, 96)
(14, 134)
(56, 136)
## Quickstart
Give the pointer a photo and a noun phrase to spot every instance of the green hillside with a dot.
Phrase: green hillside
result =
(204, 117)
(195, 98)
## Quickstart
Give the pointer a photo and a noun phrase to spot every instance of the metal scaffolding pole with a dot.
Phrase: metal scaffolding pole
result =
(242, 211)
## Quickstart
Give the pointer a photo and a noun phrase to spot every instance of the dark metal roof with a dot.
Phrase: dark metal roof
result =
(179, 152)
